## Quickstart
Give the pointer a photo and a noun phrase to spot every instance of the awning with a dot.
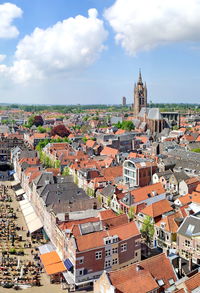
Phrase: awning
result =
(46, 248)
(68, 264)
(24, 203)
(33, 222)
(20, 192)
(55, 268)
(29, 210)
(30, 217)
(68, 278)
(34, 226)
(52, 263)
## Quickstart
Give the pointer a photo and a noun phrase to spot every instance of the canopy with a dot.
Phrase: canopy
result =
(68, 264)
(32, 220)
(46, 248)
(52, 263)
(35, 225)
(20, 192)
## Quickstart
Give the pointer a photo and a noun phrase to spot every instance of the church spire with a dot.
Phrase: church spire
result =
(140, 77)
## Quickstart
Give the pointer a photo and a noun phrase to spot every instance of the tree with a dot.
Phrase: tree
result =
(131, 213)
(66, 171)
(30, 122)
(41, 129)
(125, 125)
(57, 164)
(197, 150)
(60, 130)
(38, 120)
(147, 229)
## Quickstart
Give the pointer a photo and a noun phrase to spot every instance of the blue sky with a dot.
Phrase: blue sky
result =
(95, 58)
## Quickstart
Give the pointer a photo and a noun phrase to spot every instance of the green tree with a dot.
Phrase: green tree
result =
(125, 125)
(41, 129)
(109, 201)
(57, 164)
(66, 171)
(30, 122)
(131, 213)
(197, 150)
(90, 192)
(147, 229)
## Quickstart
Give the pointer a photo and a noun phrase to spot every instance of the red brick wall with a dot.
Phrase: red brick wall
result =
(90, 261)
(145, 175)
(130, 252)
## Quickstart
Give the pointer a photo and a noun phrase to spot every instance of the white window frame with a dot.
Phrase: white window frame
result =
(108, 263)
(115, 261)
(115, 250)
(123, 247)
(98, 255)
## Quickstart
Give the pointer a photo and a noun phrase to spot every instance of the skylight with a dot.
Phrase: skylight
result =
(190, 229)
(160, 282)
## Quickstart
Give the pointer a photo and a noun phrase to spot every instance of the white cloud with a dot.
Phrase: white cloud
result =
(145, 24)
(2, 57)
(8, 12)
(70, 45)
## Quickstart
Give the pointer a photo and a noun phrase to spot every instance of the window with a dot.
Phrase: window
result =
(98, 255)
(198, 247)
(115, 250)
(114, 261)
(81, 261)
(136, 254)
(81, 272)
(108, 241)
(187, 243)
(108, 252)
(171, 281)
(107, 263)
(160, 282)
(123, 247)
(137, 242)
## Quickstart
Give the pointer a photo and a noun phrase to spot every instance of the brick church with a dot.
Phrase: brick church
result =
(147, 118)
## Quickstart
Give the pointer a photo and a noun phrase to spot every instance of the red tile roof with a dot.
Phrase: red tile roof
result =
(109, 152)
(143, 275)
(193, 283)
(94, 240)
(142, 193)
(107, 214)
(157, 208)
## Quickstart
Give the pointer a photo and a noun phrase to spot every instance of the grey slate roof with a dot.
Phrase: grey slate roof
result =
(90, 227)
(190, 227)
(181, 176)
(166, 174)
(44, 179)
(152, 113)
(108, 191)
(28, 154)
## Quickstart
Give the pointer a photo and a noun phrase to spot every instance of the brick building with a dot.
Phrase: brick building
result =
(138, 171)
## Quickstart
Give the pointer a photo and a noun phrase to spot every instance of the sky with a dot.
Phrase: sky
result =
(90, 51)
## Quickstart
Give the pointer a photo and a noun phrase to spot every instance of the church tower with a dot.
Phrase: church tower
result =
(140, 95)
